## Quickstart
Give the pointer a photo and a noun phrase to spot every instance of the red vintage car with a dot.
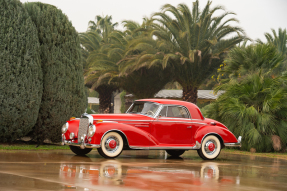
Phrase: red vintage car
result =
(154, 124)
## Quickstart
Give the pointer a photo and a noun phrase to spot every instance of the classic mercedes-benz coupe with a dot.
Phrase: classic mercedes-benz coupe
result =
(149, 124)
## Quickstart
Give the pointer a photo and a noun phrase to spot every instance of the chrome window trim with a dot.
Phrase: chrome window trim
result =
(170, 105)
(110, 131)
(155, 114)
(130, 107)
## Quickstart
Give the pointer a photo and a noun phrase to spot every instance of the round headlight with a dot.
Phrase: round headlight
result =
(92, 130)
(65, 127)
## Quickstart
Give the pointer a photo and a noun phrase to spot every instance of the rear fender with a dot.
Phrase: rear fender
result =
(223, 133)
(134, 136)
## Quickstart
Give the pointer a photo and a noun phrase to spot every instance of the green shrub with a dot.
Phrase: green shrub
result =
(255, 108)
(63, 83)
(20, 71)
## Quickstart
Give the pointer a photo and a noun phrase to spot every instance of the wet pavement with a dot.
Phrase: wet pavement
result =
(138, 170)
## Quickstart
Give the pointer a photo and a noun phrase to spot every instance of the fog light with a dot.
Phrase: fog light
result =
(92, 130)
(65, 127)
(72, 135)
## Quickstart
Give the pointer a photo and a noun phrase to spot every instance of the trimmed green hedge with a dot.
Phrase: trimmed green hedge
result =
(20, 71)
(63, 82)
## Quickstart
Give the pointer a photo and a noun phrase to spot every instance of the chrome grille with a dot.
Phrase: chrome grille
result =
(83, 127)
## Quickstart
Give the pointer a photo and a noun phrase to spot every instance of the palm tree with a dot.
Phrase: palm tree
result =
(278, 40)
(92, 43)
(143, 83)
(243, 60)
(187, 44)
(254, 108)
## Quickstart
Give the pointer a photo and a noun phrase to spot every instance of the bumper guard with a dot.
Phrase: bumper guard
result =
(238, 144)
(82, 145)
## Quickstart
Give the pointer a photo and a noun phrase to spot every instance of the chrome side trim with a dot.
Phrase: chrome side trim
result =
(79, 144)
(151, 121)
(197, 146)
(121, 120)
(114, 130)
(107, 122)
(135, 123)
(184, 122)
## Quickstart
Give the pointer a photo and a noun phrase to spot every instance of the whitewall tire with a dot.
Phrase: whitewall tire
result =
(111, 145)
(210, 148)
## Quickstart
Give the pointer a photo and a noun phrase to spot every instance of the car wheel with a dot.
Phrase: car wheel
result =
(210, 148)
(111, 145)
(79, 151)
(175, 153)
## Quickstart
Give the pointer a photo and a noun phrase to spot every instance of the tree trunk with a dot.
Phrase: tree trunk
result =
(105, 97)
(189, 94)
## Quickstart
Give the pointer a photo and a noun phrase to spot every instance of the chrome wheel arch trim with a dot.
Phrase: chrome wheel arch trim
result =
(213, 133)
(114, 130)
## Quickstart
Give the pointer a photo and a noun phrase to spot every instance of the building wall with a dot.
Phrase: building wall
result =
(118, 103)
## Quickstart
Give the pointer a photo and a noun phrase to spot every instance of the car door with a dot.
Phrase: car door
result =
(172, 126)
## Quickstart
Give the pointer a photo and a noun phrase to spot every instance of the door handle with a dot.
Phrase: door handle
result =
(189, 127)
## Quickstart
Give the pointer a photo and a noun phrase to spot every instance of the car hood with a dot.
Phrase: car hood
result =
(121, 117)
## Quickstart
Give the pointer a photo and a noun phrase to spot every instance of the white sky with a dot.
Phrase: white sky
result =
(256, 16)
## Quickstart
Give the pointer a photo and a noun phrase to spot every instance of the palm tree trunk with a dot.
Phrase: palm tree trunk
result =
(189, 94)
(105, 97)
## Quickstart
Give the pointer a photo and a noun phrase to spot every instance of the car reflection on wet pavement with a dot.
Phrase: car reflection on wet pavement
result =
(138, 170)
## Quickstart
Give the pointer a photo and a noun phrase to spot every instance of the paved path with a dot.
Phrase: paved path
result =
(138, 170)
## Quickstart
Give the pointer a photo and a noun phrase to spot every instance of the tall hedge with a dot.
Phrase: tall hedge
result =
(20, 71)
(63, 82)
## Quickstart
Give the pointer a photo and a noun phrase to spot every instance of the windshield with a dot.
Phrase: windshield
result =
(145, 108)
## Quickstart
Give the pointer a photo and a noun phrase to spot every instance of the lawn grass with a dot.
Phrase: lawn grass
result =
(269, 155)
(32, 147)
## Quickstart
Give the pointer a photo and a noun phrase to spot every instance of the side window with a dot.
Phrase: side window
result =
(176, 111)
(163, 112)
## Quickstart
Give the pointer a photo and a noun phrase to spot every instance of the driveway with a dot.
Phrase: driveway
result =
(138, 170)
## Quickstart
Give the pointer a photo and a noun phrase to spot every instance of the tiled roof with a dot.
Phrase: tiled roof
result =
(201, 94)
(93, 100)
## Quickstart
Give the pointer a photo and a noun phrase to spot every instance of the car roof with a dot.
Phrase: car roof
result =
(193, 109)
(168, 101)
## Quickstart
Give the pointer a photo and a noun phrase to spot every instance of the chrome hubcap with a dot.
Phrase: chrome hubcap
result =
(210, 147)
(112, 144)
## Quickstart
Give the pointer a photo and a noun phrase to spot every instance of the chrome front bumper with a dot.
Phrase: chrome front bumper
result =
(82, 145)
(238, 144)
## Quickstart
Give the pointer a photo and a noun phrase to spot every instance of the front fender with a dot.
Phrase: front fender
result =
(224, 133)
(135, 136)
